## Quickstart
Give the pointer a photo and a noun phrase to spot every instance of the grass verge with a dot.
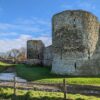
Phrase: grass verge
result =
(38, 95)
(4, 66)
(44, 75)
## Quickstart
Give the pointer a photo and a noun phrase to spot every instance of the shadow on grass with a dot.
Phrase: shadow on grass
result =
(34, 73)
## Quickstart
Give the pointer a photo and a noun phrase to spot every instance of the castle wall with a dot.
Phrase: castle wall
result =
(76, 45)
(48, 56)
(74, 36)
(35, 49)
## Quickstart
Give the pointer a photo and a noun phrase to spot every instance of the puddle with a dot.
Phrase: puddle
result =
(10, 77)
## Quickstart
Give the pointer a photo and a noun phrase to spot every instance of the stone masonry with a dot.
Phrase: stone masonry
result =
(48, 56)
(75, 36)
(75, 46)
(35, 49)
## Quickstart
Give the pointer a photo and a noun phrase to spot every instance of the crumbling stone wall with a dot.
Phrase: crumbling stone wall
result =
(48, 56)
(75, 36)
(76, 45)
(35, 49)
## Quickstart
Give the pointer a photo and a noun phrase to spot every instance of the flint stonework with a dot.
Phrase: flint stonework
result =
(75, 36)
(35, 49)
(75, 48)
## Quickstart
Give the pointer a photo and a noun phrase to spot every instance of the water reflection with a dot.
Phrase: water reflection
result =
(10, 77)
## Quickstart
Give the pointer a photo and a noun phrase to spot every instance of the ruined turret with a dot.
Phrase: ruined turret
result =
(74, 36)
(35, 51)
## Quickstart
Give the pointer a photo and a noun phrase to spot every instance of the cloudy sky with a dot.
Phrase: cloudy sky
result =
(21, 20)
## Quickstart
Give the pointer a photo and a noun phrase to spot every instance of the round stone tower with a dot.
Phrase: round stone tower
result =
(74, 37)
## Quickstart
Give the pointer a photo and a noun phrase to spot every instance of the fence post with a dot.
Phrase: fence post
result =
(14, 95)
(64, 88)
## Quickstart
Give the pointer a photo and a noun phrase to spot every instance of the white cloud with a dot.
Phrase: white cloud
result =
(21, 41)
(5, 26)
(33, 25)
(8, 33)
(32, 21)
(27, 28)
(25, 37)
(46, 40)
(11, 34)
(7, 44)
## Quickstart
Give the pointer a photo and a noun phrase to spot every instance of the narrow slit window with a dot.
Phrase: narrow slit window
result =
(89, 54)
(75, 65)
(74, 25)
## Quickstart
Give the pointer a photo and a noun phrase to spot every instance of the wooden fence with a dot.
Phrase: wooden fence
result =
(62, 87)
(14, 84)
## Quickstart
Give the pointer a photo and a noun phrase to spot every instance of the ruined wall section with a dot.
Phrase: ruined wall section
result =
(48, 56)
(35, 49)
(74, 37)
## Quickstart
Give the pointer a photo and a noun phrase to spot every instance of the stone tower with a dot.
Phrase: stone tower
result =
(48, 56)
(75, 35)
(35, 51)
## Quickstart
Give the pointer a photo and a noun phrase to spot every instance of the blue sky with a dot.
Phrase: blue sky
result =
(21, 20)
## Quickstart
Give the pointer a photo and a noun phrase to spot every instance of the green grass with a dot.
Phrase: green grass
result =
(4, 66)
(44, 75)
(40, 95)
(33, 73)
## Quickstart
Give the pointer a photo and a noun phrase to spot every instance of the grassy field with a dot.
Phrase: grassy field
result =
(7, 94)
(44, 75)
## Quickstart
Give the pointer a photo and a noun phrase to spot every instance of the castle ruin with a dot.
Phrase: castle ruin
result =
(75, 48)
(35, 50)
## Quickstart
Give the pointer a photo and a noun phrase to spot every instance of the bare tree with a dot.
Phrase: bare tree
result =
(14, 53)
(22, 55)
